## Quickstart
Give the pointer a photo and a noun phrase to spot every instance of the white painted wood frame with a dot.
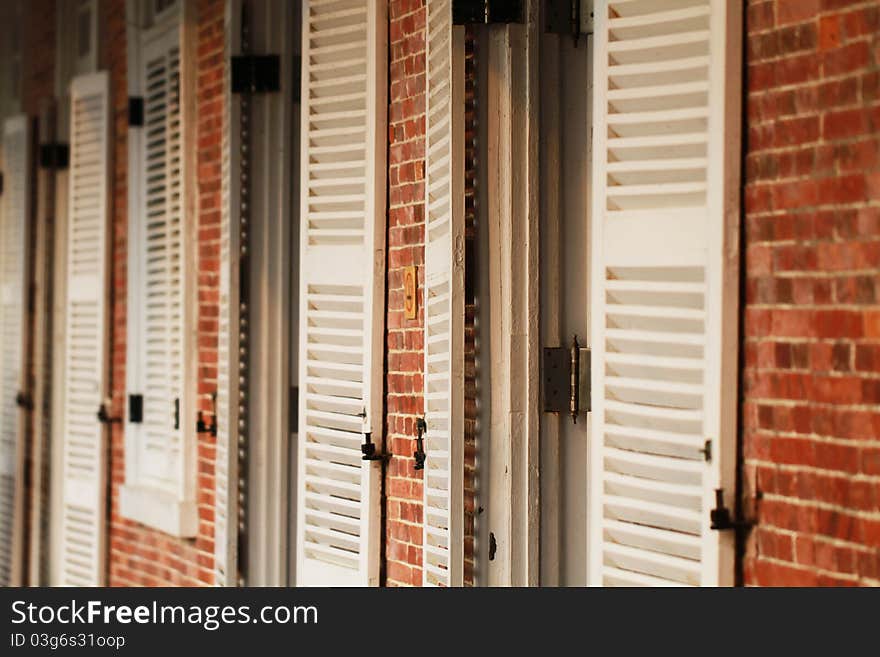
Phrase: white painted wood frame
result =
(664, 287)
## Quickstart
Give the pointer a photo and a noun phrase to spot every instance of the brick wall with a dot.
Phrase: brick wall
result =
(139, 555)
(812, 325)
(406, 216)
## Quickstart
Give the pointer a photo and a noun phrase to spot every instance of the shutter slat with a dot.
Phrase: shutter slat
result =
(661, 272)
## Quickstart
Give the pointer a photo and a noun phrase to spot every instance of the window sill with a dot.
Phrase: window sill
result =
(159, 509)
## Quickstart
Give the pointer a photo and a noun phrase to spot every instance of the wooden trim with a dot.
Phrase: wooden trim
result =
(722, 308)
(513, 231)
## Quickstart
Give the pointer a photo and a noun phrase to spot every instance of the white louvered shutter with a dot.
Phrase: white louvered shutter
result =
(83, 504)
(159, 447)
(13, 267)
(444, 301)
(664, 286)
(341, 291)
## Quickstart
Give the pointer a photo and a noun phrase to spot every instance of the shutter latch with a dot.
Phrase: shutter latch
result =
(201, 425)
(419, 455)
(721, 517)
(566, 380)
(104, 417)
(24, 400)
(368, 449)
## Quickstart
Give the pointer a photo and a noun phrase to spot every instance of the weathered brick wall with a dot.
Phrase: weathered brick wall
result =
(139, 555)
(406, 217)
(812, 325)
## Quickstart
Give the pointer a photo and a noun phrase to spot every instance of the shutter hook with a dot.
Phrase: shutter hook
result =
(721, 517)
(201, 426)
(368, 449)
(419, 455)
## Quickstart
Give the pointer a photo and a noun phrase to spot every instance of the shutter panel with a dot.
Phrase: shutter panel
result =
(665, 183)
(83, 507)
(13, 269)
(159, 456)
(341, 291)
(444, 301)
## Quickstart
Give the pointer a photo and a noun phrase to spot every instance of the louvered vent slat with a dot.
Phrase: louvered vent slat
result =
(337, 530)
(13, 247)
(444, 305)
(656, 258)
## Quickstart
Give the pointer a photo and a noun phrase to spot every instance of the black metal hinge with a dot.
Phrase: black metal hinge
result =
(135, 409)
(1, 183)
(135, 111)
(569, 17)
(54, 156)
(485, 12)
(255, 73)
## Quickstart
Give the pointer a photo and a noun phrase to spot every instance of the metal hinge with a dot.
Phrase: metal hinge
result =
(485, 12)
(135, 111)
(54, 156)
(255, 73)
(572, 17)
(135, 409)
(1, 183)
(567, 375)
